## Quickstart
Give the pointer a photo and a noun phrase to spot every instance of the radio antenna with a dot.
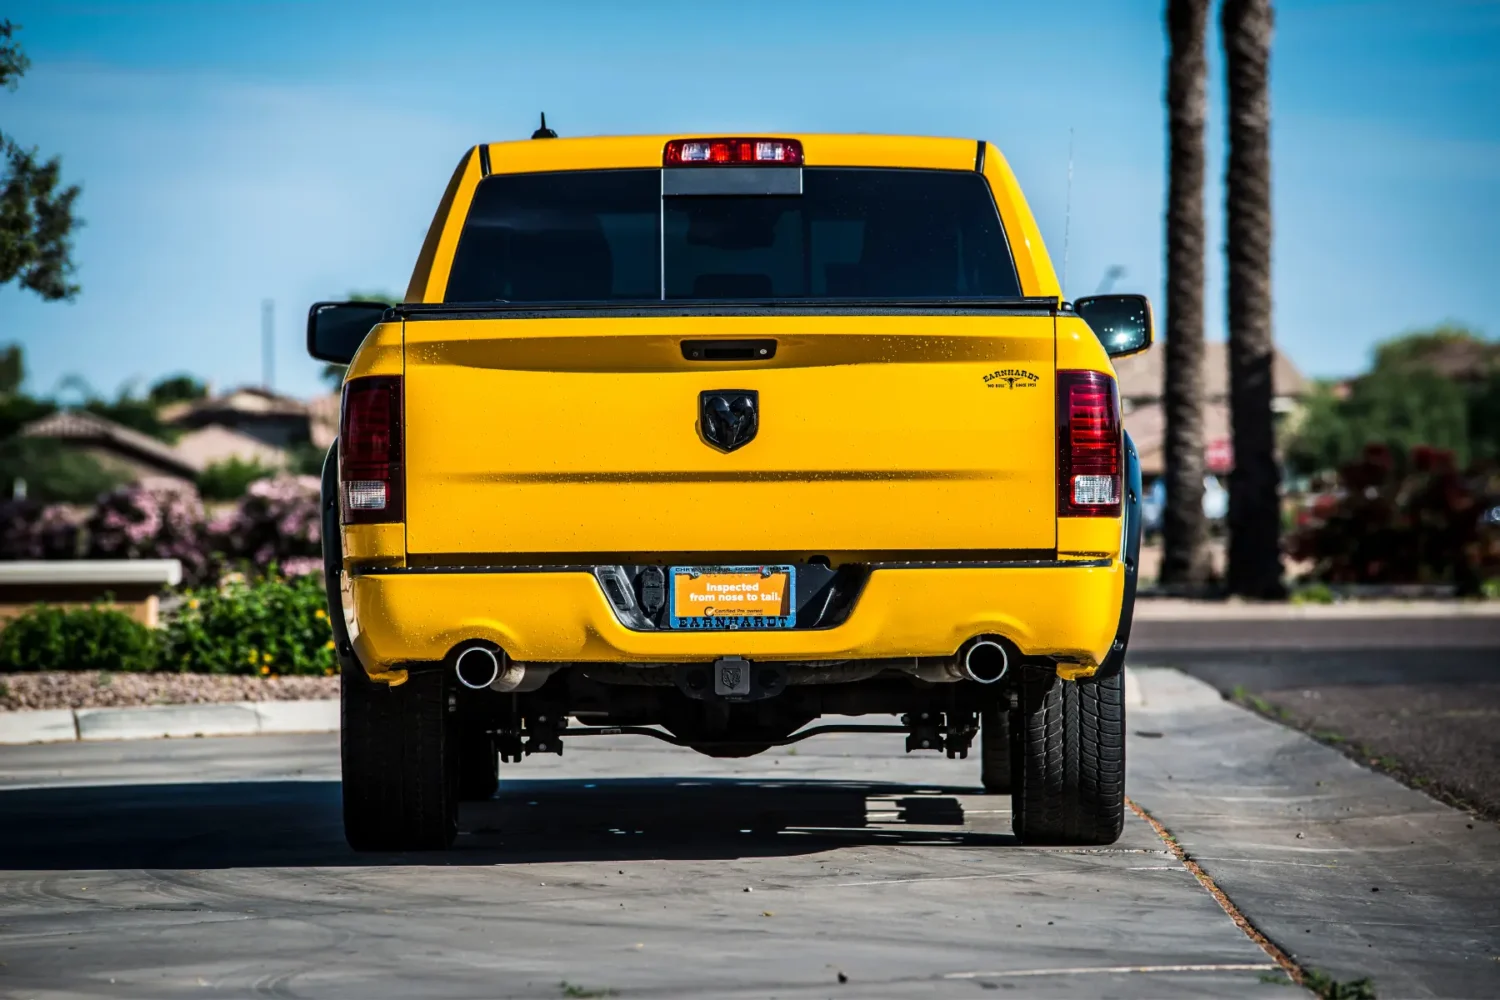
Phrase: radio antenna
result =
(1067, 215)
(544, 132)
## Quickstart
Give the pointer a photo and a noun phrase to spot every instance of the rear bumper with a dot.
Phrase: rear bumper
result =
(1071, 612)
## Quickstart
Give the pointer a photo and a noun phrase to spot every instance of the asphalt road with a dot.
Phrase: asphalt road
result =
(188, 868)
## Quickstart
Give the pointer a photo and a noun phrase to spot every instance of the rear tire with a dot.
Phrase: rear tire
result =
(1068, 775)
(399, 763)
(994, 750)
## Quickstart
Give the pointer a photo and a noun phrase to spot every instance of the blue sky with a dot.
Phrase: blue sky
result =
(235, 151)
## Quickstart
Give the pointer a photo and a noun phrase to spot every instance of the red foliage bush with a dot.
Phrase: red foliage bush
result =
(1390, 522)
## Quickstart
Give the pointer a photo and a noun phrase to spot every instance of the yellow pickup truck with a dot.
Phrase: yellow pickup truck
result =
(709, 438)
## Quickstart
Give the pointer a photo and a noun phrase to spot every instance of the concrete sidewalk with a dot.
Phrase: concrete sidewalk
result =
(1347, 870)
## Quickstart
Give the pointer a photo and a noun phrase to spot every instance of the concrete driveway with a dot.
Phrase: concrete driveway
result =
(194, 867)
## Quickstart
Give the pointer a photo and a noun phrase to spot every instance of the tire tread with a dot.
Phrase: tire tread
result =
(1068, 759)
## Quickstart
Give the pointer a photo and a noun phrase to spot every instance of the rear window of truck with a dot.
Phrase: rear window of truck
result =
(610, 235)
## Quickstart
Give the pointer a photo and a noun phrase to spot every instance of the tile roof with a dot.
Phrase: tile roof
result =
(78, 425)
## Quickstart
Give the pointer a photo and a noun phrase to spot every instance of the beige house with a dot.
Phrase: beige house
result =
(251, 424)
(1141, 385)
(323, 419)
(118, 448)
(214, 444)
(276, 420)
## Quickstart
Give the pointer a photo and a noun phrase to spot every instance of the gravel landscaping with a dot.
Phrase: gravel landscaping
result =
(96, 689)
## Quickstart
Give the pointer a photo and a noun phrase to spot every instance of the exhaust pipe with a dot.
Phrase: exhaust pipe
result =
(477, 667)
(983, 660)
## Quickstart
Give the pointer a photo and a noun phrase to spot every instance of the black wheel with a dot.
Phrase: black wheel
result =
(478, 765)
(1068, 774)
(994, 750)
(400, 763)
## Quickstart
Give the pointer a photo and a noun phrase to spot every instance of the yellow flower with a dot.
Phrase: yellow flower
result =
(328, 644)
(264, 671)
(320, 614)
(253, 657)
(327, 671)
(265, 657)
(193, 604)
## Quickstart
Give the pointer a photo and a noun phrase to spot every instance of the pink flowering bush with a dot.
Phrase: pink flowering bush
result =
(30, 530)
(152, 522)
(277, 523)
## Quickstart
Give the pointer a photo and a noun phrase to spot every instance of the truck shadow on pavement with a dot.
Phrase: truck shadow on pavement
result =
(298, 823)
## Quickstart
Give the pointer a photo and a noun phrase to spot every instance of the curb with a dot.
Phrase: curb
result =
(235, 718)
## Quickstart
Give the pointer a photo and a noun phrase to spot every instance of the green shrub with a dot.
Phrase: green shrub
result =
(55, 471)
(49, 638)
(229, 479)
(270, 626)
(1313, 593)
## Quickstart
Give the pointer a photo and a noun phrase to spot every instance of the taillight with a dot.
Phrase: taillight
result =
(732, 152)
(1088, 445)
(370, 476)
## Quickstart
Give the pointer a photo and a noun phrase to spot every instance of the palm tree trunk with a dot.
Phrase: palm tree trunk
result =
(1184, 531)
(1254, 503)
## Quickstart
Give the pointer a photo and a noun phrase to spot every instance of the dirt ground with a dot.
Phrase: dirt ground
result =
(93, 689)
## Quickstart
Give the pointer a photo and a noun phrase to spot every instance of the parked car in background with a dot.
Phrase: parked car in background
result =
(1154, 503)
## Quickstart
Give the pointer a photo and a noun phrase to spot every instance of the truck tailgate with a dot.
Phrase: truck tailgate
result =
(884, 434)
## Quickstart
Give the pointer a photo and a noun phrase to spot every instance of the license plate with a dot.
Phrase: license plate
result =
(733, 597)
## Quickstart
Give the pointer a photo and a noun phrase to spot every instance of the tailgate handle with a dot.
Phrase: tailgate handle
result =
(729, 350)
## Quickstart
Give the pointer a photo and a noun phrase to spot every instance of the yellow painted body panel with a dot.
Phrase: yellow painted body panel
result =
(1033, 265)
(579, 436)
(1088, 537)
(368, 545)
(563, 617)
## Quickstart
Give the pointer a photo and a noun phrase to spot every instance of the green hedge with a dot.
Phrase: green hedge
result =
(267, 627)
(47, 638)
(272, 626)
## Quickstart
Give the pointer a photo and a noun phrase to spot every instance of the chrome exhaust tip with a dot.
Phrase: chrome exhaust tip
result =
(983, 660)
(477, 667)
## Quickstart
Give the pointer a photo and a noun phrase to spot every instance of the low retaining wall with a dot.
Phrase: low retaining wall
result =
(131, 585)
(234, 718)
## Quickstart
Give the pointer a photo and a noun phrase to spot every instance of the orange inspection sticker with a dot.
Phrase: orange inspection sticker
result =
(743, 596)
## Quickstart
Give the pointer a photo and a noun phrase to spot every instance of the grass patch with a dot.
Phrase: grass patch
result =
(1327, 988)
(1241, 695)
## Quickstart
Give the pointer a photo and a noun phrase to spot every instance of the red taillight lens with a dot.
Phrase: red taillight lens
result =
(1088, 445)
(734, 152)
(370, 478)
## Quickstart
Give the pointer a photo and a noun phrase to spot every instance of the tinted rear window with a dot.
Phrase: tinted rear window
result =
(590, 236)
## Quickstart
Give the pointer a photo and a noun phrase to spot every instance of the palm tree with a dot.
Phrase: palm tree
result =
(1184, 531)
(1254, 505)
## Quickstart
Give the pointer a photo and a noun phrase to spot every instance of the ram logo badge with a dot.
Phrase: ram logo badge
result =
(729, 418)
